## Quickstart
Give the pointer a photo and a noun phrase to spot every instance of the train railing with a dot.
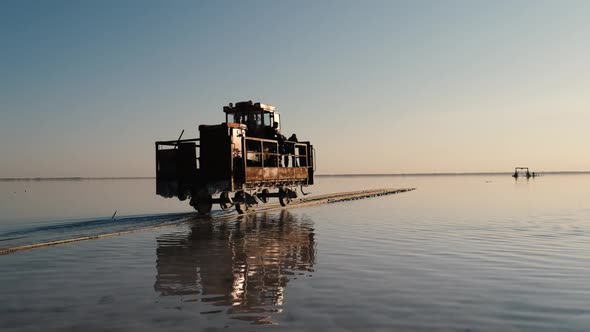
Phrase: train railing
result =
(262, 152)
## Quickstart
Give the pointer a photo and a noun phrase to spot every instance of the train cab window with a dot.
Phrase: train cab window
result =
(254, 123)
(277, 119)
(238, 117)
(267, 119)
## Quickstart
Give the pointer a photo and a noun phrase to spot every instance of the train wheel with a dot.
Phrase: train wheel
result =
(263, 195)
(226, 201)
(284, 197)
(202, 203)
(240, 202)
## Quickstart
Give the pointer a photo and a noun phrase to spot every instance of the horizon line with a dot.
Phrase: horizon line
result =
(76, 178)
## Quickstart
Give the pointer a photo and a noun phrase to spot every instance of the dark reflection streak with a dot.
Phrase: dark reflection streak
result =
(242, 265)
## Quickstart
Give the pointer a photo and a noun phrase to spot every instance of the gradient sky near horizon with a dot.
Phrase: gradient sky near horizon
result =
(86, 87)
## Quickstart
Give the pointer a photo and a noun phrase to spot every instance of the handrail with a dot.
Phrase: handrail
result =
(261, 139)
(273, 141)
(273, 152)
(175, 142)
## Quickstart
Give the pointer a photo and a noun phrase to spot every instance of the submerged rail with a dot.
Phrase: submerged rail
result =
(331, 198)
(301, 202)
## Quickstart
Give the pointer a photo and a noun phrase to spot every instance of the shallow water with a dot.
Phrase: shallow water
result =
(461, 252)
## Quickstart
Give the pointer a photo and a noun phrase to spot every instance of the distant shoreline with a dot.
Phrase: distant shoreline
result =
(77, 178)
(455, 174)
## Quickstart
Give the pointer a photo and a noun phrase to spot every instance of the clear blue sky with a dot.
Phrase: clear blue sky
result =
(86, 87)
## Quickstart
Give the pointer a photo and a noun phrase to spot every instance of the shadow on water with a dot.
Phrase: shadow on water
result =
(240, 268)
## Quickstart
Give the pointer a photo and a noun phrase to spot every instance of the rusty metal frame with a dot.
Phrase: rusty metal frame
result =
(175, 143)
(253, 176)
(264, 175)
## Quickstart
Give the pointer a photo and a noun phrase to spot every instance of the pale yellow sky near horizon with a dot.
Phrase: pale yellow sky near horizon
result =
(377, 87)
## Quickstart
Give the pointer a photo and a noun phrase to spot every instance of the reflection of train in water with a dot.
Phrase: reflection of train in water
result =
(244, 266)
(245, 155)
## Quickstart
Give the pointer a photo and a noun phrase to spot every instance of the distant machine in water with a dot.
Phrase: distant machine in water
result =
(523, 171)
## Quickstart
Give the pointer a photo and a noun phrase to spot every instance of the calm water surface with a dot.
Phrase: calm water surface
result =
(460, 253)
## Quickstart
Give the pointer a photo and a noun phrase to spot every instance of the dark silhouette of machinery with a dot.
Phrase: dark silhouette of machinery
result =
(239, 162)
(523, 171)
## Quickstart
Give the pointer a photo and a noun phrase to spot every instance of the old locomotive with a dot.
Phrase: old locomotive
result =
(239, 163)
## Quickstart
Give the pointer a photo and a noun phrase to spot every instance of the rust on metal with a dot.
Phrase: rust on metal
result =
(245, 155)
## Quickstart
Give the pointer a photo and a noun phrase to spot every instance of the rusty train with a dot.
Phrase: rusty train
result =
(239, 163)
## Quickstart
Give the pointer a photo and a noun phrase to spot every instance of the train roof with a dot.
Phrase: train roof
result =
(248, 106)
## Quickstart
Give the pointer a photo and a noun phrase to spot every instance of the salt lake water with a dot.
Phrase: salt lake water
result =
(473, 252)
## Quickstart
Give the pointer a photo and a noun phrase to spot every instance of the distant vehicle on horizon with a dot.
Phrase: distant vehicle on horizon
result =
(523, 171)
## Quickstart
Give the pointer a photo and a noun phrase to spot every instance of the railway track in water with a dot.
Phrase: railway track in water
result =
(330, 198)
